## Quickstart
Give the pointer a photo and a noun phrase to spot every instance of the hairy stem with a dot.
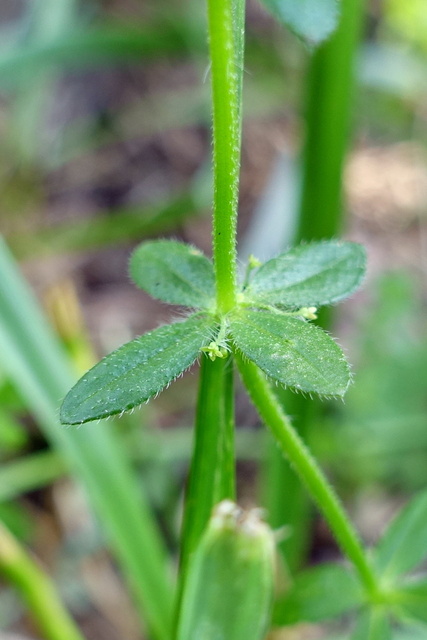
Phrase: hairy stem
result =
(225, 24)
(328, 108)
(211, 477)
(306, 467)
(212, 472)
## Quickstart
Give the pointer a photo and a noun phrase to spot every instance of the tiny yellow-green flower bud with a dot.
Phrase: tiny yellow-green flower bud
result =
(253, 262)
(214, 351)
(308, 312)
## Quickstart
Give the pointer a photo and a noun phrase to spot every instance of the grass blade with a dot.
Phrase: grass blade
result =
(35, 363)
(36, 588)
(89, 48)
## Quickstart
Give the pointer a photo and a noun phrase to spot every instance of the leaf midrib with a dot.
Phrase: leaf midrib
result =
(183, 279)
(122, 376)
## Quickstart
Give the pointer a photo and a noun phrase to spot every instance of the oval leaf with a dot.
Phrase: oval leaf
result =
(311, 20)
(309, 275)
(373, 624)
(321, 593)
(291, 351)
(413, 600)
(136, 371)
(404, 544)
(174, 272)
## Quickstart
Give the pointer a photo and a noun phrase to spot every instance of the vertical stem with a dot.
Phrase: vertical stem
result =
(226, 487)
(328, 113)
(329, 105)
(212, 474)
(306, 467)
(211, 477)
(212, 466)
(226, 51)
(37, 590)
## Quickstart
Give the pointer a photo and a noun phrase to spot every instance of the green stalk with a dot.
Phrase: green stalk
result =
(226, 53)
(212, 466)
(212, 472)
(328, 113)
(211, 475)
(226, 481)
(36, 589)
(283, 496)
(329, 102)
(309, 472)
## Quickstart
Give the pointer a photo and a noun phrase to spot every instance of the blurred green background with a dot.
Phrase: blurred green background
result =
(105, 141)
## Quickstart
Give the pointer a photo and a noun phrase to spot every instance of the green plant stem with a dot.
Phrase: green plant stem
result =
(226, 52)
(328, 109)
(211, 475)
(212, 471)
(212, 467)
(306, 467)
(36, 589)
(290, 508)
(226, 482)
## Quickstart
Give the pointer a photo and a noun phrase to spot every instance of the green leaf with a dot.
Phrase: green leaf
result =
(311, 20)
(322, 593)
(413, 599)
(313, 274)
(373, 624)
(229, 587)
(136, 371)
(404, 544)
(175, 273)
(291, 351)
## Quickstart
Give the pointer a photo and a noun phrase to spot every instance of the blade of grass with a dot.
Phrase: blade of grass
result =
(36, 589)
(40, 469)
(330, 84)
(91, 47)
(49, 21)
(33, 360)
(120, 226)
(329, 104)
(28, 473)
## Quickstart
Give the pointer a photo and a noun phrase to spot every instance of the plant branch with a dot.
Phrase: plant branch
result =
(212, 472)
(304, 464)
(211, 479)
